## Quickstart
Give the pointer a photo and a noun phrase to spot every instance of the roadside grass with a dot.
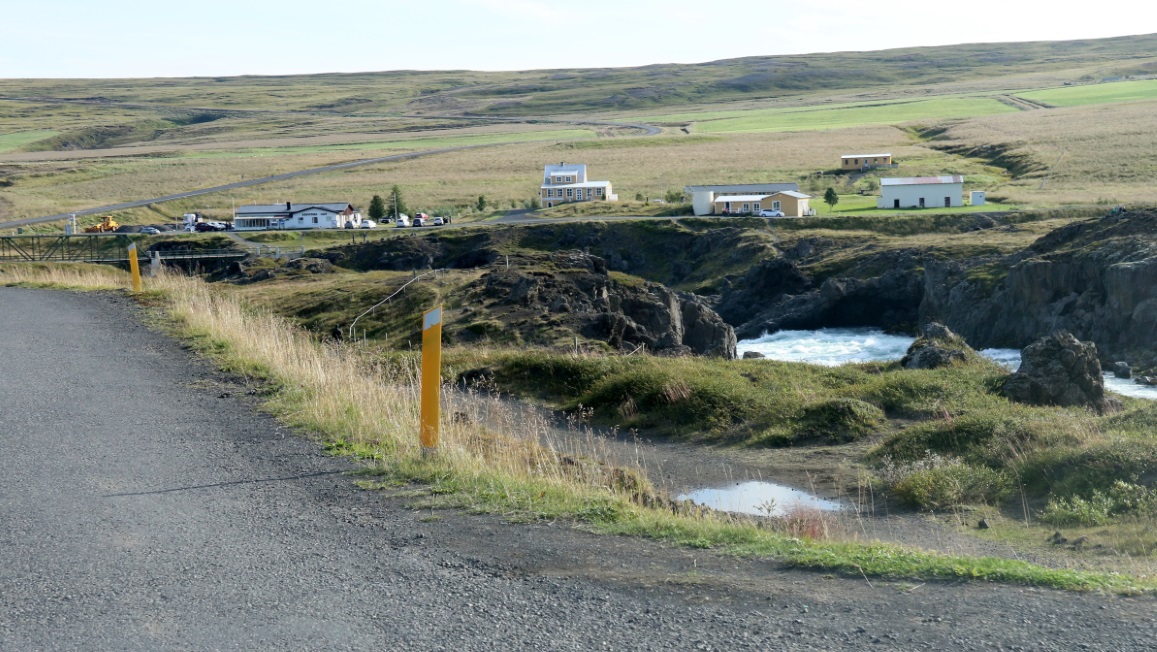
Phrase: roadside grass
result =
(64, 276)
(486, 464)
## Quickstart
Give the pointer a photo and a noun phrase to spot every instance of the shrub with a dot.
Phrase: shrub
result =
(1101, 507)
(953, 485)
(840, 420)
(936, 482)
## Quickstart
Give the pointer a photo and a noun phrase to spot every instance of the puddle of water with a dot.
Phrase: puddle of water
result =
(760, 498)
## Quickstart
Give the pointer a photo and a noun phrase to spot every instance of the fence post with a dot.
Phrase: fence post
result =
(135, 266)
(431, 379)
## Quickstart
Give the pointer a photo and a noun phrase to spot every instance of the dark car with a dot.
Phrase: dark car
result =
(203, 227)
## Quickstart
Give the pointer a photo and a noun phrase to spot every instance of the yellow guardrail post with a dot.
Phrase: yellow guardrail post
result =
(431, 378)
(135, 266)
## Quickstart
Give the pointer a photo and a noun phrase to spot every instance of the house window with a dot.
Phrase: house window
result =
(599, 192)
(570, 192)
(775, 205)
(315, 219)
(755, 208)
(568, 179)
(746, 208)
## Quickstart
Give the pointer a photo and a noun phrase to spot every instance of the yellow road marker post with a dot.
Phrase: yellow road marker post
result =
(431, 378)
(135, 266)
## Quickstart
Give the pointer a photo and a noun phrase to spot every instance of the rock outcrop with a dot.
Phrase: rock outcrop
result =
(937, 347)
(1059, 369)
(582, 296)
(882, 290)
(1096, 279)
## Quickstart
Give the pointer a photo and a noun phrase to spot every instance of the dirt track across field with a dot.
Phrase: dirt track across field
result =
(145, 504)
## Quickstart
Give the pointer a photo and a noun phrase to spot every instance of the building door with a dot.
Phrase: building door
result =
(947, 202)
(921, 202)
(895, 203)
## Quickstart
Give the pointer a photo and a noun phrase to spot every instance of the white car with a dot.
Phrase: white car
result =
(403, 220)
(771, 214)
(438, 221)
(418, 221)
(369, 224)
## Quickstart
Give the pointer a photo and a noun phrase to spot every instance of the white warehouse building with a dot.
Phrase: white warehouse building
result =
(922, 192)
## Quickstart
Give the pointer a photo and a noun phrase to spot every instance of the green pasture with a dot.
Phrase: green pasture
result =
(405, 144)
(838, 116)
(14, 141)
(1107, 93)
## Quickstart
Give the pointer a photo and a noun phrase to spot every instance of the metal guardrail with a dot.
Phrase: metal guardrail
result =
(114, 249)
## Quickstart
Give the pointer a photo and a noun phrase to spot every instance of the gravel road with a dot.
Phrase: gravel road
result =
(145, 504)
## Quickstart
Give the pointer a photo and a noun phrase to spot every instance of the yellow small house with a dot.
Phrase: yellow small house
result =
(864, 161)
(788, 202)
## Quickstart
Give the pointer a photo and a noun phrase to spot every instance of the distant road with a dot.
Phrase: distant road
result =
(648, 130)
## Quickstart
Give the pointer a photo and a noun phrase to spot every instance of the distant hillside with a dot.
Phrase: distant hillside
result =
(552, 92)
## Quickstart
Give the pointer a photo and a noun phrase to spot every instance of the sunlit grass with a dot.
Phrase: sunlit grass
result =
(1107, 93)
(823, 117)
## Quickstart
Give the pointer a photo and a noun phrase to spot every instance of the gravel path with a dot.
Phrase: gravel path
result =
(146, 505)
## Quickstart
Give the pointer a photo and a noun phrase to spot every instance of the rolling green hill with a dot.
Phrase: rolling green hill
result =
(551, 92)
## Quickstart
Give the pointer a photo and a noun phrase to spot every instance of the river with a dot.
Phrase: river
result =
(836, 346)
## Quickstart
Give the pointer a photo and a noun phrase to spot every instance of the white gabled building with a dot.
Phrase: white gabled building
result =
(922, 192)
(328, 215)
(567, 182)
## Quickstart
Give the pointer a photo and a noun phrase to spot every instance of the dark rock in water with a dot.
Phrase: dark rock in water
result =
(937, 347)
(1122, 370)
(1059, 370)
(753, 355)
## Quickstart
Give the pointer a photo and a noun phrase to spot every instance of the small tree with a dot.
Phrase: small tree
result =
(397, 204)
(480, 205)
(377, 208)
(674, 196)
(831, 198)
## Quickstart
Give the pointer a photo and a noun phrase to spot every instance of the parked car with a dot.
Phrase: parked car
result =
(403, 220)
(419, 220)
(438, 221)
(445, 219)
(369, 224)
(202, 227)
(421, 215)
(771, 213)
(150, 230)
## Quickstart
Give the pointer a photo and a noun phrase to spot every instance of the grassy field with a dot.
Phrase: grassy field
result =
(751, 120)
(1082, 155)
(13, 141)
(1106, 93)
(826, 117)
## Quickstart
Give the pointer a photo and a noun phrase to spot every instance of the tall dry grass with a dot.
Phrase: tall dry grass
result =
(69, 275)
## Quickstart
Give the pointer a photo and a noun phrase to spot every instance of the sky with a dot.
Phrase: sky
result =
(139, 38)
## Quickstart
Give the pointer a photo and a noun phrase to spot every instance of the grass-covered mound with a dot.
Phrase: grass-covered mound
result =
(942, 438)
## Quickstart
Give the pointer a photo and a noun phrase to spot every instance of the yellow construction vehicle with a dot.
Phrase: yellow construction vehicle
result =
(107, 225)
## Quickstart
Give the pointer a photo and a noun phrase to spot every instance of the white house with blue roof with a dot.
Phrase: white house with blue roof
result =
(567, 182)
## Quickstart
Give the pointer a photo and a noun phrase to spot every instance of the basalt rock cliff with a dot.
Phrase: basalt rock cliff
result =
(1096, 279)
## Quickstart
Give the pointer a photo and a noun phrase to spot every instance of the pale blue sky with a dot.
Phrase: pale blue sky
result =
(138, 38)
